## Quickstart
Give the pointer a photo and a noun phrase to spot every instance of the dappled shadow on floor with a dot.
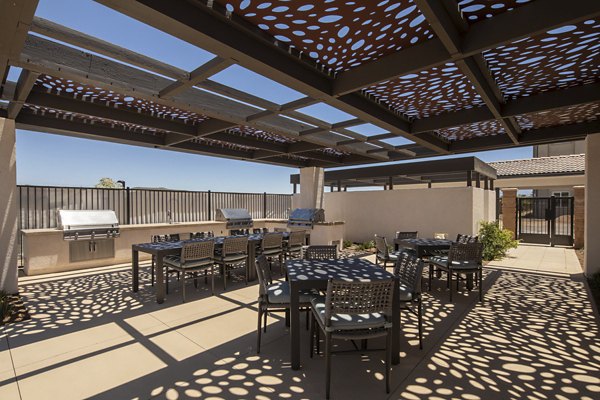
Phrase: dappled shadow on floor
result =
(534, 337)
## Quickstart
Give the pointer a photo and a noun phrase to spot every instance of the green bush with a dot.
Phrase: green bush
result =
(496, 241)
(366, 245)
(5, 307)
(347, 243)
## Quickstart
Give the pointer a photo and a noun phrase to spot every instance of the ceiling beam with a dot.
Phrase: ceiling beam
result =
(204, 128)
(15, 22)
(282, 109)
(219, 33)
(197, 76)
(449, 30)
(25, 83)
(527, 20)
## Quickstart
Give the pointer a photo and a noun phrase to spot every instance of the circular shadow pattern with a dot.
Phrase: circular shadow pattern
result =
(338, 34)
(564, 57)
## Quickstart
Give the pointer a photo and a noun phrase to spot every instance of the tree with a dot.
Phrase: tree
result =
(108, 183)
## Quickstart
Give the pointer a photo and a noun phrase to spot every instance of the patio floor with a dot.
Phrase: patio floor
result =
(536, 336)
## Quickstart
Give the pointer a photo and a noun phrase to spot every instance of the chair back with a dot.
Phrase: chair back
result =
(297, 238)
(256, 230)
(197, 251)
(440, 235)
(235, 245)
(272, 241)
(407, 235)
(382, 246)
(358, 297)
(466, 252)
(321, 252)
(409, 270)
(466, 239)
(263, 272)
(165, 238)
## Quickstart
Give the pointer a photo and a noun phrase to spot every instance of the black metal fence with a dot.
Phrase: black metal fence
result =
(38, 204)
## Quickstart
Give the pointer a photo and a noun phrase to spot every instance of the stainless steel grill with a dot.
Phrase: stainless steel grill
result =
(235, 218)
(306, 217)
(88, 224)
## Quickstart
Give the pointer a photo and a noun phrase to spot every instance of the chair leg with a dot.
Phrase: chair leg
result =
(430, 275)
(212, 279)
(420, 317)
(327, 364)
(224, 276)
(457, 282)
(152, 269)
(167, 281)
(265, 324)
(481, 285)
(259, 328)
(388, 361)
(450, 283)
(205, 276)
(195, 280)
(318, 337)
(183, 287)
(312, 336)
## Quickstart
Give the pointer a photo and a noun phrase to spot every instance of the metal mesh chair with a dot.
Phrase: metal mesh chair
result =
(383, 252)
(294, 244)
(274, 296)
(233, 256)
(409, 270)
(463, 239)
(463, 258)
(194, 257)
(321, 252)
(353, 310)
(407, 235)
(157, 239)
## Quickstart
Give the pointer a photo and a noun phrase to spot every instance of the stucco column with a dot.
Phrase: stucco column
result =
(311, 187)
(592, 200)
(579, 217)
(509, 210)
(8, 207)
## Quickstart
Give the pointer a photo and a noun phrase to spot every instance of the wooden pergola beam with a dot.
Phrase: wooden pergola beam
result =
(197, 76)
(24, 85)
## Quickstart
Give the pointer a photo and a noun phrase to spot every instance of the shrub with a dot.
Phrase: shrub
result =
(347, 243)
(366, 245)
(496, 241)
(5, 307)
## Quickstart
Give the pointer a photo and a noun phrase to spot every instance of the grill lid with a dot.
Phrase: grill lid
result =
(80, 224)
(235, 217)
(306, 217)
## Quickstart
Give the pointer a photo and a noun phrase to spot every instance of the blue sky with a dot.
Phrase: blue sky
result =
(46, 159)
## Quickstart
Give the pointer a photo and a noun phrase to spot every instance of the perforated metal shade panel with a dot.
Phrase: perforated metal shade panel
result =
(477, 10)
(470, 131)
(428, 92)
(247, 131)
(338, 34)
(560, 116)
(564, 57)
(110, 98)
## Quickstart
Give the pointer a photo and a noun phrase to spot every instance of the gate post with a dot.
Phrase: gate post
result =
(579, 217)
(509, 210)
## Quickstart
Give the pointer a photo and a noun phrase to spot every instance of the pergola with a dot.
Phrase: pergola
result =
(450, 76)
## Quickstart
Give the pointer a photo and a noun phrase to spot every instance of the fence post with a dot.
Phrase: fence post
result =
(265, 205)
(128, 200)
(209, 216)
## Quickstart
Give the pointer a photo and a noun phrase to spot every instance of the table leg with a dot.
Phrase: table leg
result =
(135, 264)
(295, 325)
(251, 264)
(396, 323)
(160, 280)
(470, 281)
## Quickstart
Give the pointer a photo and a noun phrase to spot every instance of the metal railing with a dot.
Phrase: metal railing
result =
(38, 204)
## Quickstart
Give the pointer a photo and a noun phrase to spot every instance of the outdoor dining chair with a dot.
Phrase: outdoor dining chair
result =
(157, 239)
(321, 252)
(383, 252)
(353, 310)
(274, 296)
(294, 244)
(407, 235)
(462, 258)
(409, 270)
(271, 247)
(194, 257)
(233, 255)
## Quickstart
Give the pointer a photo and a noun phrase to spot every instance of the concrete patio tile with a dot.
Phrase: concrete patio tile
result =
(9, 390)
(176, 345)
(90, 376)
(191, 310)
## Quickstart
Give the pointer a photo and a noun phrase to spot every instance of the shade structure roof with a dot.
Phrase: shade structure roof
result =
(463, 169)
(448, 76)
(572, 164)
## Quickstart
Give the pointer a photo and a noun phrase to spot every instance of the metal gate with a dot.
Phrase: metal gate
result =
(546, 220)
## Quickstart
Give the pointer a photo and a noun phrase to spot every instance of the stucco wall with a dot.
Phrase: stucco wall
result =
(592, 211)
(449, 210)
(8, 207)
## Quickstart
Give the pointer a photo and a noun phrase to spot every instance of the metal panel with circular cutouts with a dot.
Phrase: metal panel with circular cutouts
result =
(563, 57)
(110, 98)
(478, 10)
(247, 131)
(470, 131)
(338, 34)
(428, 92)
(561, 116)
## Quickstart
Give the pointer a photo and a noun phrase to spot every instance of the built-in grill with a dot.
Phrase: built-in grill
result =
(88, 224)
(91, 233)
(305, 217)
(235, 218)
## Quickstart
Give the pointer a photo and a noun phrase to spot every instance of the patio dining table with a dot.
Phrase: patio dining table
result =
(161, 249)
(314, 274)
